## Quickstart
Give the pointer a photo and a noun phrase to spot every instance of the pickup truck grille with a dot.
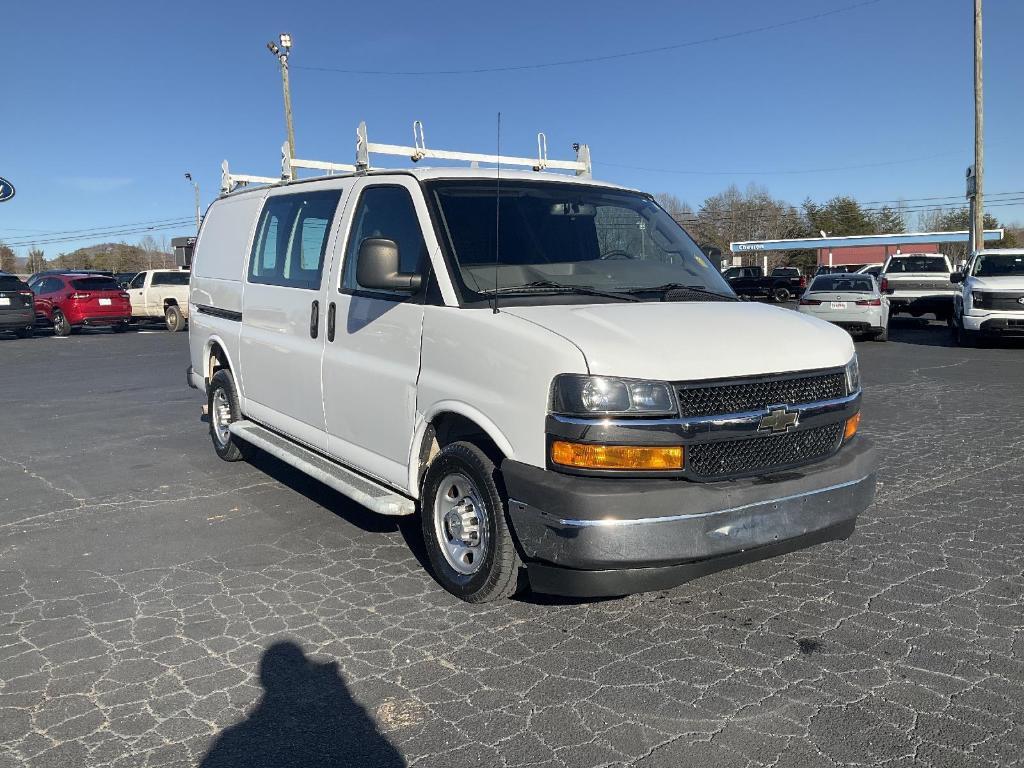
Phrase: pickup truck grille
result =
(741, 396)
(732, 458)
(1007, 302)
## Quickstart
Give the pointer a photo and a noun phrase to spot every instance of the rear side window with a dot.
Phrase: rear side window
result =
(386, 212)
(844, 283)
(95, 284)
(170, 278)
(291, 239)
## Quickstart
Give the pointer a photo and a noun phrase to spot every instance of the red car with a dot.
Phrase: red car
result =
(72, 301)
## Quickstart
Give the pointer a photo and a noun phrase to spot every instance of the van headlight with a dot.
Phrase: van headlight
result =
(580, 395)
(852, 375)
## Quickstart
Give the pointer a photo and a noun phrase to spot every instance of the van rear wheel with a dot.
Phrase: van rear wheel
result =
(465, 527)
(222, 410)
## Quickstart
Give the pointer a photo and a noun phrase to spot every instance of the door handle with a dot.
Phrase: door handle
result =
(331, 310)
(314, 320)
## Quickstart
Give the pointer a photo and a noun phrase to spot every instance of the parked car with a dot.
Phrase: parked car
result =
(72, 301)
(781, 285)
(989, 298)
(918, 283)
(17, 313)
(160, 293)
(875, 270)
(851, 301)
(837, 269)
(582, 395)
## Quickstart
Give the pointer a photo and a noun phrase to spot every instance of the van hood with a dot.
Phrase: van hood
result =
(686, 341)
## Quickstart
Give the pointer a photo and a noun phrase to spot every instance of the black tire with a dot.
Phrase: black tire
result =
(882, 335)
(498, 568)
(961, 336)
(227, 447)
(119, 327)
(781, 294)
(61, 326)
(173, 318)
(23, 333)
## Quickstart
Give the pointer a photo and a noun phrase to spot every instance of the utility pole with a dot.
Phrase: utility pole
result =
(281, 54)
(195, 186)
(978, 219)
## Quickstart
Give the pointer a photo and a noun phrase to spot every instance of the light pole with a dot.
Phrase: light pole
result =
(978, 220)
(195, 186)
(282, 53)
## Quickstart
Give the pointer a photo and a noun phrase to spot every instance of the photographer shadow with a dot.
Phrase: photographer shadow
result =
(305, 718)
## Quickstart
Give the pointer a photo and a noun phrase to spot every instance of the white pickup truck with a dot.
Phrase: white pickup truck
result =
(989, 301)
(918, 283)
(543, 367)
(160, 293)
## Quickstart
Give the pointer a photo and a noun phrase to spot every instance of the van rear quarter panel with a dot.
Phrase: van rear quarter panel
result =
(218, 268)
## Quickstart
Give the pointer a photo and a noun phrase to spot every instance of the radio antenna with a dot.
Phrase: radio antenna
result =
(497, 220)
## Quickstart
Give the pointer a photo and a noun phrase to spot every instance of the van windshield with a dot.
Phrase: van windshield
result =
(545, 236)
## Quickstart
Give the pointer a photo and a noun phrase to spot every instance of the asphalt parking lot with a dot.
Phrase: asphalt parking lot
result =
(159, 607)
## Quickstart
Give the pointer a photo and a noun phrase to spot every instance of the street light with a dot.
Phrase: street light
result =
(195, 186)
(281, 54)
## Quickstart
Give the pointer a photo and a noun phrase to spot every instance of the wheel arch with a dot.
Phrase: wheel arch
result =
(215, 357)
(449, 422)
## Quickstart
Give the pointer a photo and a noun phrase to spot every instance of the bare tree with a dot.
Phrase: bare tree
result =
(36, 260)
(8, 262)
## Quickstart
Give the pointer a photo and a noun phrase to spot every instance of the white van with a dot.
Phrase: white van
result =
(545, 368)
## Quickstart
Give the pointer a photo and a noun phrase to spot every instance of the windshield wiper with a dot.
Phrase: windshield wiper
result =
(547, 286)
(663, 289)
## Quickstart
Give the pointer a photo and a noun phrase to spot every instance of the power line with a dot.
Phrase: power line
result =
(99, 235)
(596, 59)
(47, 233)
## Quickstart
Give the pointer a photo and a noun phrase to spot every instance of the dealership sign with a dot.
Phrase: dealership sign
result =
(748, 247)
(6, 190)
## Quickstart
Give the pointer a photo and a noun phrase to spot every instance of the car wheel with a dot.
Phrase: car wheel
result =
(781, 294)
(465, 528)
(962, 336)
(61, 326)
(23, 333)
(222, 408)
(119, 327)
(882, 335)
(172, 316)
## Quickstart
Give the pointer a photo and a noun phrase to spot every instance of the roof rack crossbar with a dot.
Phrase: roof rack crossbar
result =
(418, 151)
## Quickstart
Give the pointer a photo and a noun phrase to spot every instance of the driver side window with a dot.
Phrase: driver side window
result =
(385, 212)
(138, 281)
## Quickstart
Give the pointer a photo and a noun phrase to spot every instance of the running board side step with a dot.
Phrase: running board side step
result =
(363, 490)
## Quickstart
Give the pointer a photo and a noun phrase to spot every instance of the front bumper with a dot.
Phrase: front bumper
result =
(996, 323)
(585, 536)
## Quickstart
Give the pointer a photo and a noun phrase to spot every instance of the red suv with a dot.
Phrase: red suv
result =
(72, 301)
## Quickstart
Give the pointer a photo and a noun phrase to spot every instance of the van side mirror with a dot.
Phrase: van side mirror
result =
(377, 267)
(956, 277)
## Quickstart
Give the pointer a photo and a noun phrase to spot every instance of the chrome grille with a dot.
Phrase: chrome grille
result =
(741, 396)
(731, 458)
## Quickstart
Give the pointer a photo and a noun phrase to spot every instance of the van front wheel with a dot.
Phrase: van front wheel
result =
(465, 527)
(222, 409)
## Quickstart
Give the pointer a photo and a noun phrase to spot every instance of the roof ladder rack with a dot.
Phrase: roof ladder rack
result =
(418, 151)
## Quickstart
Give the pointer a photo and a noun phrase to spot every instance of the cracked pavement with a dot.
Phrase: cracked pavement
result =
(159, 607)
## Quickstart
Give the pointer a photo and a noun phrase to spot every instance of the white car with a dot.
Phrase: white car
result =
(989, 302)
(851, 301)
(572, 391)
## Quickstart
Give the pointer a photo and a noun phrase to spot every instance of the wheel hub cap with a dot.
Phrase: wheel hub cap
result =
(460, 523)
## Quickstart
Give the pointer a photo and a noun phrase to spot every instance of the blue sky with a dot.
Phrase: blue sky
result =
(108, 104)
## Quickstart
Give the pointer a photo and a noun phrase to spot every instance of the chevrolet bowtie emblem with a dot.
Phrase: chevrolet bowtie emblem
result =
(779, 420)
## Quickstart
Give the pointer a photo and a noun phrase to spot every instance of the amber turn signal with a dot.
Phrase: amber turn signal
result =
(634, 457)
(851, 426)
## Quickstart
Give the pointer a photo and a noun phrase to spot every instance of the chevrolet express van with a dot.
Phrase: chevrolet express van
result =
(545, 368)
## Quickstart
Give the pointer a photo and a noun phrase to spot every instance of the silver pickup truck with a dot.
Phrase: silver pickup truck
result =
(918, 283)
(160, 293)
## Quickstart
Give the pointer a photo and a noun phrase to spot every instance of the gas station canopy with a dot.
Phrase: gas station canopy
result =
(856, 241)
